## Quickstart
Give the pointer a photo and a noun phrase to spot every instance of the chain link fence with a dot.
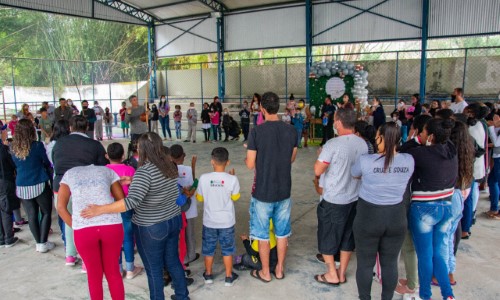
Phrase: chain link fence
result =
(392, 75)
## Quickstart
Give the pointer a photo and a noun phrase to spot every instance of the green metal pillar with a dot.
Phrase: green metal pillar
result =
(423, 59)
(309, 42)
(153, 93)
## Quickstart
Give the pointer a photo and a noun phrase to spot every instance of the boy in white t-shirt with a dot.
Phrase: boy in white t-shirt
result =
(186, 181)
(218, 190)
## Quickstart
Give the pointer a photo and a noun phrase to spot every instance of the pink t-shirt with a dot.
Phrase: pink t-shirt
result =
(215, 118)
(12, 126)
(122, 170)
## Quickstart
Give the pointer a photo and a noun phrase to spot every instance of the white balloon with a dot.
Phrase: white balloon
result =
(320, 72)
(322, 65)
(327, 72)
(312, 109)
(345, 71)
(351, 72)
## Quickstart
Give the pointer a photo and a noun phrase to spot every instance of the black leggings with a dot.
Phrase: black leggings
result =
(42, 204)
(206, 132)
(375, 232)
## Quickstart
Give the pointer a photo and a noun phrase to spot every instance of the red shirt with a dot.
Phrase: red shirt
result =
(12, 127)
(123, 111)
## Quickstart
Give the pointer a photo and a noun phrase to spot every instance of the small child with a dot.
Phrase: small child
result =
(177, 121)
(12, 124)
(192, 116)
(218, 190)
(245, 120)
(395, 119)
(187, 182)
(286, 117)
(298, 123)
(98, 239)
(124, 125)
(251, 259)
(108, 123)
(45, 125)
(205, 122)
(115, 154)
(215, 122)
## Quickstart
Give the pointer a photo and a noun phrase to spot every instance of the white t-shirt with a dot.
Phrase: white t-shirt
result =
(218, 190)
(458, 107)
(91, 185)
(340, 154)
(185, 180)
(479, 135)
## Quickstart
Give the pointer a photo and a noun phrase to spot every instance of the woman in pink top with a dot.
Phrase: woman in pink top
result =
(214, 120)
(115, 153)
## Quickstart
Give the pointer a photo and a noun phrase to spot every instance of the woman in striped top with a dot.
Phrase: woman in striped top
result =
(157, 218)
(32, 182)
(436, 172)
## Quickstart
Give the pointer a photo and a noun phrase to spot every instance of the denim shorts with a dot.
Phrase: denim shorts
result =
(262, 212)
(225, 236)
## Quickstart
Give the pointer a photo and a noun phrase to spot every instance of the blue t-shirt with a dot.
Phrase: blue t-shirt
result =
(382, 188)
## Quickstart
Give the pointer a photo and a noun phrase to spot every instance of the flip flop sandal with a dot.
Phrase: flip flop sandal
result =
(342, 282)
(255, 274)
(494, 217)
(324, 281)
(278, 278)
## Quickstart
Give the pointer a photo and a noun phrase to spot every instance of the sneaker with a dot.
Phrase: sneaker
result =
(84, 268)
(13, 243)
(2, 244)
(45, 247)
(240, 267)
(189, 281)
(134, 273)
(209, 279)
(319, 258)
(71, 261)
(187, 273)
(411, 296)
(16, 229)
(450, 298)
(194, 142)
(231, 280)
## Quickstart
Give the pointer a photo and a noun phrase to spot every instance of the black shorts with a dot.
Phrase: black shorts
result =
(335, 227)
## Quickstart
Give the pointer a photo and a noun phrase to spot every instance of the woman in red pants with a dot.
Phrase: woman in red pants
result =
(99, 239)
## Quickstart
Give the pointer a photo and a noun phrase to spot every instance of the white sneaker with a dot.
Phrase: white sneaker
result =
(414, 296)
(45, 247)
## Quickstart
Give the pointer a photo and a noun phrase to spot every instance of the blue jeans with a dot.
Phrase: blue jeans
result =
(468, 212)
(404, 133)
(299, 135)
(430, 224)
(62, 227)
(158, 246)
(177, 129)
(457, 202)
(214, 130)
(165, 126)
(262, 212)
(494, 185)
(128, 240)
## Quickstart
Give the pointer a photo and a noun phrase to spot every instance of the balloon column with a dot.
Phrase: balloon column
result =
(336, 78)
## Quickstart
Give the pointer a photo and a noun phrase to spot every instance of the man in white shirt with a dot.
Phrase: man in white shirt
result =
(458, 102)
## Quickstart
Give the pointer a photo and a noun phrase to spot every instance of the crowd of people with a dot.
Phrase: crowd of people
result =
(382, 195)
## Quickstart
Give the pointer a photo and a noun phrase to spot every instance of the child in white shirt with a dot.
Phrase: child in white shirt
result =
(218, 190)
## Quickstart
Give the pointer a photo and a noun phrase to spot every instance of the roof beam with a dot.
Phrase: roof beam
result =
(129, 10)
(167, 4)
(215, 5)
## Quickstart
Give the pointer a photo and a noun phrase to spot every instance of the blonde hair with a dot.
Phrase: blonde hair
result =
(24, 137)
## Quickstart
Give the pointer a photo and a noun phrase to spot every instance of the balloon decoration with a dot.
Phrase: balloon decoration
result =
(322, 82)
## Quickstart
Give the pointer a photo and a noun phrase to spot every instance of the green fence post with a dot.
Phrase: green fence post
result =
(241, 91)
(286, 80)
(13, 84)
(465, 70)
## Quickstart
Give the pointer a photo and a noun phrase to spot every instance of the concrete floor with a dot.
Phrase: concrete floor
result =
(25, 274)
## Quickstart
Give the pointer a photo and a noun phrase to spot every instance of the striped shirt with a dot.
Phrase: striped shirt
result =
(30, 191)
(152, 196)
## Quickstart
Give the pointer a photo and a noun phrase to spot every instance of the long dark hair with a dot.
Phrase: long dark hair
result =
(258, 97)
(466, 154)
(61, 129)
(392, 136)
(151, 150)
(24, 137)
(366, 131)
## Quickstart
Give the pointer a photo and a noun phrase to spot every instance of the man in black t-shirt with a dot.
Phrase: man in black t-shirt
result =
(217, 106)
(272, 148)
(327, 113)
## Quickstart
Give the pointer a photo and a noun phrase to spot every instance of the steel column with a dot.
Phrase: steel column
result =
(153, 93)
(241, 91)
(423, 59)
(166, 83)
(93, 81)
(465, 69)
(309, 42)
(110, 97)
(52, 81)
(221, 78)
